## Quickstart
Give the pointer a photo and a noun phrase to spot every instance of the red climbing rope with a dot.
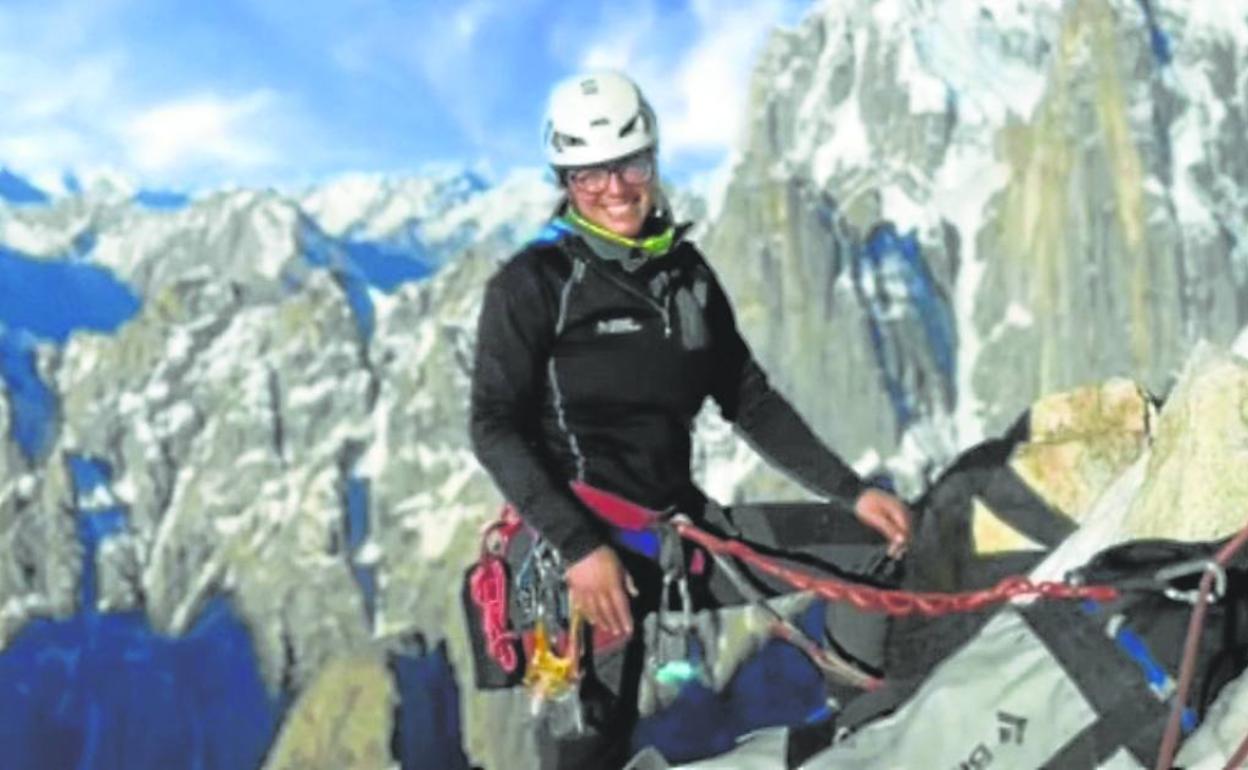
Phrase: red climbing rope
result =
(489, 592)
(892, 602)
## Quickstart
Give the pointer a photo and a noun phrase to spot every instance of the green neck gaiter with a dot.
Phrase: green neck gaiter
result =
(650, 246)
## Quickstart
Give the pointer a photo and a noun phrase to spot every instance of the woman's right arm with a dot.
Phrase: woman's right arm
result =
(515, 333)
(514, 337)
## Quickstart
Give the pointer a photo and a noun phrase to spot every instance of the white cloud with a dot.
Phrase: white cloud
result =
(54, 113)
(71, 105)
(81, 87)
(43, 149)
(40, 93)
(712, 79)
(700, 86)
(203, 129)
(627, 47)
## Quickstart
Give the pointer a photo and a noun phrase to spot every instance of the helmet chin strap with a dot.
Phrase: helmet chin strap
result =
(653, 246)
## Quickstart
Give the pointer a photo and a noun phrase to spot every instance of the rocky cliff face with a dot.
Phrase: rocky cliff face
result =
(281, 420)
(941, 212)
(1071, 175)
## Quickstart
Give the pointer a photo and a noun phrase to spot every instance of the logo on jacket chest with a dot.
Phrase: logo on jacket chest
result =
(626, 325)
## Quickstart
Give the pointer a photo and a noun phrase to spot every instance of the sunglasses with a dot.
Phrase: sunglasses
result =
(633, 170)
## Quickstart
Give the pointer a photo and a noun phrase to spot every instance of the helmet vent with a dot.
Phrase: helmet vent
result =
(630, 126)
(565, 140)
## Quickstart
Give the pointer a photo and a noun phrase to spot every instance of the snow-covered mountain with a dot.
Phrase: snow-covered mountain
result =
(437, 216)
(942, 210)
(285, 356)
(945, 209)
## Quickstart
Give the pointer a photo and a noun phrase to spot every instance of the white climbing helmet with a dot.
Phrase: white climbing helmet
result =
(597, 117)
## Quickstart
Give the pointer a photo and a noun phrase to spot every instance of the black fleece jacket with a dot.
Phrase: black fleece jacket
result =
(587, 371)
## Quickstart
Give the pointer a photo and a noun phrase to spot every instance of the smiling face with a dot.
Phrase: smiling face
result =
(623, 202)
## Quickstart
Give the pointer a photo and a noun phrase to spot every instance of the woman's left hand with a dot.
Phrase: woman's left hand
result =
(887, 515)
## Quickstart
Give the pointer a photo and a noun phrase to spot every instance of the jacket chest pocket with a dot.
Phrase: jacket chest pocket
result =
(690, 317)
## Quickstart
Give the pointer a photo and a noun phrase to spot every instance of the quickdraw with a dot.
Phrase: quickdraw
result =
(680, 661)
(521, 612)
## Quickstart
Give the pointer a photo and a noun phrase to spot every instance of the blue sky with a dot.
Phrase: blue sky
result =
(187, 95)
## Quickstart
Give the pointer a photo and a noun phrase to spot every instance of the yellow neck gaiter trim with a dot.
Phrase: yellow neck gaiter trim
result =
(653, 246)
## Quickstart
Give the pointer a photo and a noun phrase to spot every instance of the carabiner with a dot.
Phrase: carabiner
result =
(1167, 575)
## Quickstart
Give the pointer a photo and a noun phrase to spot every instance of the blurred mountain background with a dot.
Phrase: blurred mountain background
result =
(235, 453)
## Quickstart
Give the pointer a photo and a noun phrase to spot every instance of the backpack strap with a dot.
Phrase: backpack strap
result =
(1117, 675)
